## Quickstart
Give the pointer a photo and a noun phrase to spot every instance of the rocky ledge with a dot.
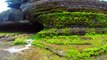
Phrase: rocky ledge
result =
(52, 13)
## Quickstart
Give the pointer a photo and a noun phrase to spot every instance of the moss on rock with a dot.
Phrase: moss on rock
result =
(70, 13)
(73, 19)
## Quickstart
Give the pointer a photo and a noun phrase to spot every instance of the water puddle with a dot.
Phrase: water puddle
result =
(15, 49)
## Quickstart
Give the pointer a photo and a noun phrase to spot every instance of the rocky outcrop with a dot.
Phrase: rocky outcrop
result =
(13, 15)
(52, 13)
(61, 13)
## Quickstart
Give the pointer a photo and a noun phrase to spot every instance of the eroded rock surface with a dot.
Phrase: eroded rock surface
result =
(13, 15)
(35, 10)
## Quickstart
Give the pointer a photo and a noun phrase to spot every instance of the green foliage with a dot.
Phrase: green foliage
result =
(50, 33)
(95, 51)
(86, 53)
(20, 41)
(91, 33)
(65, 19)
(66, 40)
(72, 45)
(73, 53)
(37, 43)
(97, 43)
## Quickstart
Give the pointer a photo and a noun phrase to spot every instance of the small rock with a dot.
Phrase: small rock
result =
(61, 53)
(2, 36)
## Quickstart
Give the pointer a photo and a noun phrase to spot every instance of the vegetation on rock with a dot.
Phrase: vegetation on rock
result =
(72, 19)
(73, 46)
(73, 31)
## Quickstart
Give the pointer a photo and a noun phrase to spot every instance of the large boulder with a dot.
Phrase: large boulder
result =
(13, 20)
(13, 15)
(63, 13)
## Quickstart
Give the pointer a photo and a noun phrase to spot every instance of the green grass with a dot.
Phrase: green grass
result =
(98, 44)
(48, 33)
(76, 46)
(20, 41)
(86, 53)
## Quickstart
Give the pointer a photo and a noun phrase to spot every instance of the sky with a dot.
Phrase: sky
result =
(3, 6)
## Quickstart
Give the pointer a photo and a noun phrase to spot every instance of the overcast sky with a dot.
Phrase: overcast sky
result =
(3, 5)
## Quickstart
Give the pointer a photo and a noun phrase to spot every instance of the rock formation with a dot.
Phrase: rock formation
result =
(13, 15)
(52, 13)
(13, 20)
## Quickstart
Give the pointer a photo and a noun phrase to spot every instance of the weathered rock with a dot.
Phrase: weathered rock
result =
(26, 6)
(2, 36)
(16, 5)
(4, 16)
(35, 11)
(7, 39)
(61, 11)
(13, 15)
